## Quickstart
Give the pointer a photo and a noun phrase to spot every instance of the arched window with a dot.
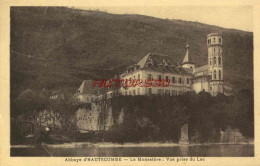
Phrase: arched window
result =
(219, 40)
(214, 40)
(219, 74)
(219, 60)
(215, 74)
(210, 61)
(214, 60)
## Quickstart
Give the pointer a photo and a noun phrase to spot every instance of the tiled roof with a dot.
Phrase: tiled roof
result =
(187, 57)
(188, 70)
(56, 92)
(142, 62)
(201, 69)
(160, 63)
(86, 87)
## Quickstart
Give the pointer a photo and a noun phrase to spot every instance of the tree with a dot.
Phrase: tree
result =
(27, 101)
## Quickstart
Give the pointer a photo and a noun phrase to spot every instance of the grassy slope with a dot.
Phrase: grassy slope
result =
(90, 44)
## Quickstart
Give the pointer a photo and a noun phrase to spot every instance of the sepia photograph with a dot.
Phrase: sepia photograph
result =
(170, 81)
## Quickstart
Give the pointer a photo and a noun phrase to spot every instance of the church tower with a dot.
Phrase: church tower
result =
(215, 63)
(187, 61)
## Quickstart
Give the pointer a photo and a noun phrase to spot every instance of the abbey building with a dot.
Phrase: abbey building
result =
(183, 78)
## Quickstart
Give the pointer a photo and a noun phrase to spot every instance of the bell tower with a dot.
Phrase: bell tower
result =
(215, 63)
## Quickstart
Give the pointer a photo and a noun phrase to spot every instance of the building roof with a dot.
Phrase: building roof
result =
(188, 70)
(160, 63)
(187, 57)
(142, 62)
(213, 34)
(201, 69)
(86, 87)
(58, 92)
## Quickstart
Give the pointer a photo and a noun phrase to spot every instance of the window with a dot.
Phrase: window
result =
(167, 92)
(160, 91)
(215, 74)
(219, 50)
(219, 40)
(210, 61)
(173, 92)
(138, 76)
(134, 92)
(125, 92)
(167, 78)
(150, 91)
(173, 79)
(180, 92)
(214, 40)
(211, 88)
(214, 60)
(130, 93)
(219, 74)
(188, 81)
(180, 80)
(149, 76)
(138, 91)
(159, 77)
(219, 60)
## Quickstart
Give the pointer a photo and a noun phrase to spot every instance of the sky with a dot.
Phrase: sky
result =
(235, 17)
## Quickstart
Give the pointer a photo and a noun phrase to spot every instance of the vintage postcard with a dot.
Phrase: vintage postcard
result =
(120, 83)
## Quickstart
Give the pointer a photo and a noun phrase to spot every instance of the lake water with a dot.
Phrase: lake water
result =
(173, 151)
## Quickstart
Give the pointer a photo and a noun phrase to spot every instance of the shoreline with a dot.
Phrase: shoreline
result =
(116, 145)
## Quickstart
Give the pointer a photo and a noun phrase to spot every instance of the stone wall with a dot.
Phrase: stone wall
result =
(231, 136)
(184, 134)
(98, 117)
(46, 118)
(87, 119)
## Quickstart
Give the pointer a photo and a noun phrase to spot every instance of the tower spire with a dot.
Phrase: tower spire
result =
(187, 58)
(187, 61)
(187, 43)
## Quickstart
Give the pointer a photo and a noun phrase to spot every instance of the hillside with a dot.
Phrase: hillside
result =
(80, 45)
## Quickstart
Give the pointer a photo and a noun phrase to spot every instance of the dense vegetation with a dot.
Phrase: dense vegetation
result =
(159, 118)
(79, 45)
